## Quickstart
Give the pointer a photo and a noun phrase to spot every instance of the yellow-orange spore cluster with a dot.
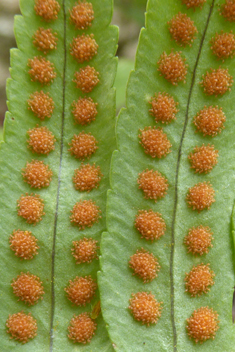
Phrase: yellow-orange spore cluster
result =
(28, 288)
(203, 158)
(41, 104)
(45, 40)
(217, 82)
(82, 328)
(84, 47)
(153, 184)
(82, 15)
(31, 207)
(81, 290)
(37, 174)
(41, 70)
(198, 240)
(228, 10)
(87, 177)
(203, 324)
(85, 213)
(41, 140)
(201, 196)
(21, 327)
(145, 265)
(86, 79)
(84, 250)
(150, 224)
(223, 45)
(83, 145)
(155, 142)
(47, 9)
(145, 307)
(164, 108)
(173, 67)
(193, 3)
(182, 29)
(24, 244)
(84, 111)
(199, 280)
(210, 120)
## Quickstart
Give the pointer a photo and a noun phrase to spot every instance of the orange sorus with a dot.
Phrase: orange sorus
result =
(199, 280)
(81, 328)
(41, 70)
(150, 224)
(210, 120)
(182, 29)
(144, 265)
(37, 174)
(164, 108)
(47, 9)
(45, 40)
(85, 213)
(24, 244)
(82, 15)
(41, 104)
(87, 177)
(86, 79)
(22, 327)
(153, 184)
(84, 250)
(172, 67)
(81, 290)
(198, 240)
(84, 110)
(41, 140)
(31, 207)
(203, 324)
(84, 47)
(83, 145)
(155, 142)
(203, 158)
(223, 45)
(201, 196)
(217, 82)
(28, 288)
(145, 307)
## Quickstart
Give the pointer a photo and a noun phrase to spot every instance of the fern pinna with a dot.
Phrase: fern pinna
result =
(59, 136)
(167, 259)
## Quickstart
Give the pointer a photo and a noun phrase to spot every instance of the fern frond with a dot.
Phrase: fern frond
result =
(180, 94)
(61, 118)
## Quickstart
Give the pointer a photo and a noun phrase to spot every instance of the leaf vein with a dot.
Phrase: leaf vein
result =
(58, 189)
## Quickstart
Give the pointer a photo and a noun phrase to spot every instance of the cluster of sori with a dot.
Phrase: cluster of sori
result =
(209, 121)
(26, 286)
(203, 323)
(85, 213)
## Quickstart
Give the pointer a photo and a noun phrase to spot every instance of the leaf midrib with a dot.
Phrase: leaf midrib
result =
(59, 183)
(176, 181)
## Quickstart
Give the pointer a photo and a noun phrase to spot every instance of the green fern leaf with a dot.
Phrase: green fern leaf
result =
(129, 209)
(54, 264)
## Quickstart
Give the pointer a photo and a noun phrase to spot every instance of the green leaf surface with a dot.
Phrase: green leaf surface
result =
(125, 199)
(123, 72)
(54, 263)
